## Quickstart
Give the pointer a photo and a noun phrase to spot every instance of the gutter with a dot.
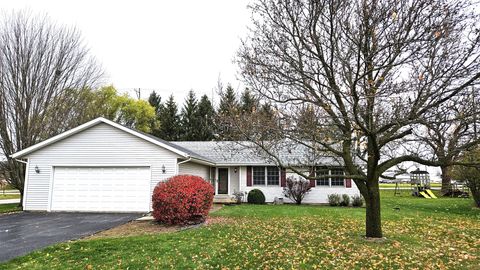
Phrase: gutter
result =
(21, 161)
(185, 161)
(197, 161)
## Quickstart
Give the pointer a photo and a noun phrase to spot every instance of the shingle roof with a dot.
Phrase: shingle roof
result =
(223, 152)
(178, 147)
(229, 152)
(210, 152)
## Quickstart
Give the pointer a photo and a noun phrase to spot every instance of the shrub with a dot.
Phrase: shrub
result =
(334, 199)
(296, 189)
(182, 199)
(238, 195)
(256, 196)
(345, 200)
(357, 200)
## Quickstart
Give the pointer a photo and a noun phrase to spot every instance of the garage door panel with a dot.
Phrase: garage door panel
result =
(105, 189)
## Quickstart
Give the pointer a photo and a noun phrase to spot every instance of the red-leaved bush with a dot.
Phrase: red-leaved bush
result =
(182, 199)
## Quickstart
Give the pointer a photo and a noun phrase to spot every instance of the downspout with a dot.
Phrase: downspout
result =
(181, 162)
(185, 161)
(21, 161)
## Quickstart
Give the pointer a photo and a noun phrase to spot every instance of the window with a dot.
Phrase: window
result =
(323, 181)
(337, 181)
(273, 176)
(266, 176)
(258, 176)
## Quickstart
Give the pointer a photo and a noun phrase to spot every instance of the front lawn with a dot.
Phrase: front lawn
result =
(421, 233)
(406, 185)
(9, 196)
(11, 207)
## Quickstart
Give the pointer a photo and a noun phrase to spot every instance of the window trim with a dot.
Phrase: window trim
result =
(264, 177)
(343, 180)
(328, 178)
(329, 169)
(265, 184)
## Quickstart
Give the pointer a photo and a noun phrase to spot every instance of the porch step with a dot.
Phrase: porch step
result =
(223, 199)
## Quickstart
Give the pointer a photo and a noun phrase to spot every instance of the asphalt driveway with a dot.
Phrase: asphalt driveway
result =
(24, 232)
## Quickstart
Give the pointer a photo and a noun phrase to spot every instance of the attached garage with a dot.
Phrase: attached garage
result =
(100, 166)
(101, 189)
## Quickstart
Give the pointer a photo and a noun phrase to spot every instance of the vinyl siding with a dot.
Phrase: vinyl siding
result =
(234, 180)
(317, 194)
(99, 145)
(195, 169)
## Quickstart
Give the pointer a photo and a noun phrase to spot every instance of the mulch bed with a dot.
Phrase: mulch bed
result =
(149, 227)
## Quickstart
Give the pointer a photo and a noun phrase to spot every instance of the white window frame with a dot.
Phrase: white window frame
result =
(266, 177)
(343, 170)
(330, 178)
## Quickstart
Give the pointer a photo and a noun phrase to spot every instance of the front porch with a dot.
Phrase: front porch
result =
(226, 180)
(223, 198)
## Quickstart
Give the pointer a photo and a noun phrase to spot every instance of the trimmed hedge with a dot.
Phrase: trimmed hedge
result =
(256, 196)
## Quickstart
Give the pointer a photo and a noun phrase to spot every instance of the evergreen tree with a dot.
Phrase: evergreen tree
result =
(228, 101)
(170, 121)
(155, 101)
(248, 102)
(267, 111)
(206, 114)
(229, 106)
(190, 122)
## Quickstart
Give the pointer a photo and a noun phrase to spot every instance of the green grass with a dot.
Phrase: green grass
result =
(406, 185)
(421, 233)
(7, 208)
(9, 196)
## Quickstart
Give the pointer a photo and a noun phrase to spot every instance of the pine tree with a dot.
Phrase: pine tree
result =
(229, 106)
(248, 102)
(170, 121)
(190, 122)
(155, 101)
(228, 101)
(267, 111)
(206, 114)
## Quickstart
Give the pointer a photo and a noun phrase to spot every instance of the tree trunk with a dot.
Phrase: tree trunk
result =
(373, 222)
(474, 186)
(446, 179)
(21, 198)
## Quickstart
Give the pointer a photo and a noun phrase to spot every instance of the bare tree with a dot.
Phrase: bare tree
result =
(296, 189)
(452, 130)
(372, 71)
(39, 62)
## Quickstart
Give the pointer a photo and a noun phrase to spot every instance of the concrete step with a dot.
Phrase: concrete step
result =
(223, 199)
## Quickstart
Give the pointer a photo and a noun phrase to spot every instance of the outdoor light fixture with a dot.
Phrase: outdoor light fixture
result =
(163, 169)
(37, 170)
(235, 170)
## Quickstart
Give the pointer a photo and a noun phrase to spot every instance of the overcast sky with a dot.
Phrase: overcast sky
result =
(169, 46)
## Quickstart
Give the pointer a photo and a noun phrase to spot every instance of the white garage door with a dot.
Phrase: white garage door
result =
(101, 189)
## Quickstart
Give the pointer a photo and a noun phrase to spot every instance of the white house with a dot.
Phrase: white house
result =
(102, 166)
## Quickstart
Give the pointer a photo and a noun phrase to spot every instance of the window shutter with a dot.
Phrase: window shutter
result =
(312, 174)
(249, 176)
(348, 183)
(283, 177)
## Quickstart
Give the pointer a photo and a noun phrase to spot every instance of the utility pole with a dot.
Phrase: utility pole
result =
(137, 92)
